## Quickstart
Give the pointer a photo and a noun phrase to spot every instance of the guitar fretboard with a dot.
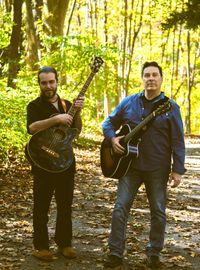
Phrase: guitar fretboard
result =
(139, 127)
(72, 111)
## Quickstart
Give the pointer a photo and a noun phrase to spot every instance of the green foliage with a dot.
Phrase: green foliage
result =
(71, 56)
(12, 123)
(189, 16)
(72, 59)
(5, 29)
(73, 72)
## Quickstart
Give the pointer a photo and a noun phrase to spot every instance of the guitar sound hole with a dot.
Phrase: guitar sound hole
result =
(59, 134)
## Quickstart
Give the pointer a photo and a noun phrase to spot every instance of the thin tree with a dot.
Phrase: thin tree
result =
(191, 68)
(14, 47)
(136, 22)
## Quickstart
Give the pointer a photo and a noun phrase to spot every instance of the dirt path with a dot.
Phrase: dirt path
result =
(93, 202)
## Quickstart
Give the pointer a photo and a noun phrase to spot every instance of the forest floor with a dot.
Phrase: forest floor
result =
(94, 198)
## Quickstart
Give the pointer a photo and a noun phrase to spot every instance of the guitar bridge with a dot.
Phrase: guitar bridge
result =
(50, 151)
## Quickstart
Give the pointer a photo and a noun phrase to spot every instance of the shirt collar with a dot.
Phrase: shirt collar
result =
(43, 100)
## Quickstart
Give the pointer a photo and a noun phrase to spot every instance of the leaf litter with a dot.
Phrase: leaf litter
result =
(94, 198)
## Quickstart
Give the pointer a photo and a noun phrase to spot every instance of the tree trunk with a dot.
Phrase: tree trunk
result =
(191, 69)
(136, 30)
(57, 11)
(188, 107)
(14, 46)
(172, 64)
(178, 51)
(70, 17)
(164, 45)
(106, 95)
(150, 31)
(167, 37)
(38, 8)
(124, 48)
(32, 41)
(8, 5)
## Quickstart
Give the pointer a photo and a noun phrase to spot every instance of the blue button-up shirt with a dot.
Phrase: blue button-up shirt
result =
(163, 142)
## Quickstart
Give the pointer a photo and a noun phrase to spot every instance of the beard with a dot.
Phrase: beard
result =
(48, 94)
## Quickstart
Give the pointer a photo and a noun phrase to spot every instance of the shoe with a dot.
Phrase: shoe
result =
(68, 252)
(153, 262)
(43, 254)
(113, 261)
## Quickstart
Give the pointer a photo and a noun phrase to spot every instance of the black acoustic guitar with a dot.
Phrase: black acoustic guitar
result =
(51, 149)
(114, 165)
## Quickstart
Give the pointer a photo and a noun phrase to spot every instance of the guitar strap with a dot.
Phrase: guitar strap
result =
(63, 105)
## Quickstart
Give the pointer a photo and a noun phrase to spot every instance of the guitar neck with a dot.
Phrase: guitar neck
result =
(72, 111)
(139, 127)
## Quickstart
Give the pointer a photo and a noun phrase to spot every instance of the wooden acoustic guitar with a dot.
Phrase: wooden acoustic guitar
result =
(51, 149)
(114, 165)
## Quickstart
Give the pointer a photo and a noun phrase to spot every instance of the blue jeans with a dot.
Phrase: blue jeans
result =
(156, 185)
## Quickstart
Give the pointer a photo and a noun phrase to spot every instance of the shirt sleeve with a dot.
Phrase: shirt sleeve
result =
(32, 115)
(113, 122)
(177, 141)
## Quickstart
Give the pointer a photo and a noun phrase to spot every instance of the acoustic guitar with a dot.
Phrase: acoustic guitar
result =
(51, 149)
(114, 165)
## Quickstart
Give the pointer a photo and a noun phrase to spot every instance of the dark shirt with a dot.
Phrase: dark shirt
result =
(148, 106)
(40, 109)
(163, 140)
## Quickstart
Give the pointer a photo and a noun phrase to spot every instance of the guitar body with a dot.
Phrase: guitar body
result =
(114, 165)
(51, 149)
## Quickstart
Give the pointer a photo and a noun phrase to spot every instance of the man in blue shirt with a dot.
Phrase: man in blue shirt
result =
(161, 159)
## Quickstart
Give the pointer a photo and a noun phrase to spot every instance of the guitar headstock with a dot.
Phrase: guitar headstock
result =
(165, 107)
(97, 63)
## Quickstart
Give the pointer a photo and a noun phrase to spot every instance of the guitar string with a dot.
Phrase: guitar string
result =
(54, 140)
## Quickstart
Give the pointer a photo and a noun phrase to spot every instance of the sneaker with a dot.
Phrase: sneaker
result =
(153, 262)
(68, 252)
(43, 254)
(113, 261)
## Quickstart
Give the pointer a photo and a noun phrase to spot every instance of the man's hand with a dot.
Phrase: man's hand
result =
(117, 147)
(64, 119)
(79, 103)
(174, 179)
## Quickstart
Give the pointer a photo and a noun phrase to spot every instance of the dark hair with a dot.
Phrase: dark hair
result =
(152, 64)
(47, 69)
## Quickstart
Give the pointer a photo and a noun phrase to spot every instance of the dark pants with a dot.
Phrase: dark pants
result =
(45, 186)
